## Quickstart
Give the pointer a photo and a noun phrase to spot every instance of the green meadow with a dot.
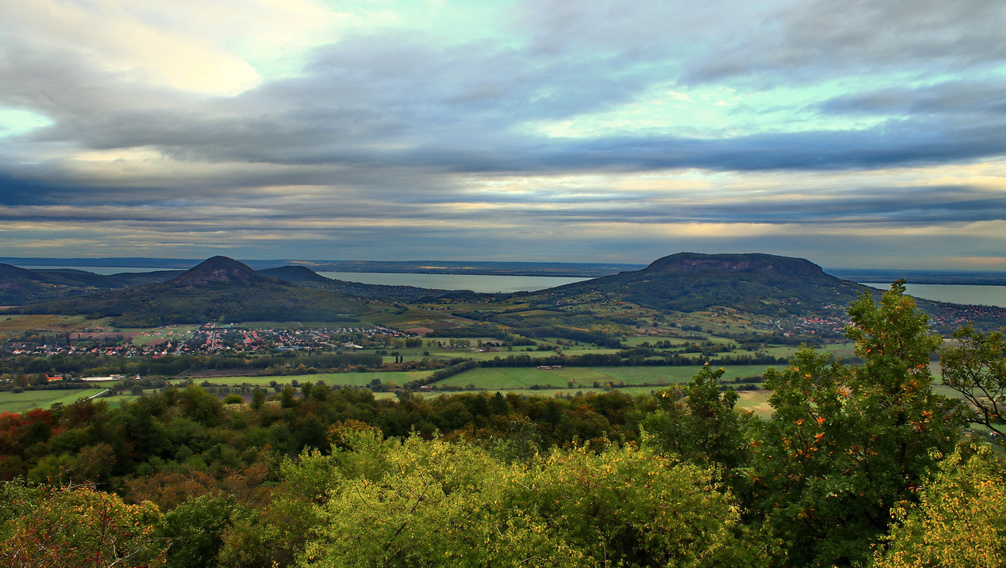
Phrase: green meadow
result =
(509, 378)
(504, 378)
(27, 400)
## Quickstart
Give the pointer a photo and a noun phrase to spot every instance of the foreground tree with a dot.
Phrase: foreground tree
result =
(959, 520)
(698, 423)
(433, 503)
(976, 368)
(847, 443)
(46, 527)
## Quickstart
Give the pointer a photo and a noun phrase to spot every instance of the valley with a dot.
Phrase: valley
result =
(232, 329)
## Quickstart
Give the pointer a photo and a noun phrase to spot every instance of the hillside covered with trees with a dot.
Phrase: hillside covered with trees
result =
(218, 289)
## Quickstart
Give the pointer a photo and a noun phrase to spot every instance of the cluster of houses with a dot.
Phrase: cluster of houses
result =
(207, 340)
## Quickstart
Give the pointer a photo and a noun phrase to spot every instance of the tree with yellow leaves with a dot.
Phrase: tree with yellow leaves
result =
(432, 503)
(959, 519)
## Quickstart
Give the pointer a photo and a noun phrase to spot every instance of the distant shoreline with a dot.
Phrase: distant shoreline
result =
(482, 268)
(944, 278)
(490, 268)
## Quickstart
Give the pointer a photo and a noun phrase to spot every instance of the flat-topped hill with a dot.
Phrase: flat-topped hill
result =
(756, 283)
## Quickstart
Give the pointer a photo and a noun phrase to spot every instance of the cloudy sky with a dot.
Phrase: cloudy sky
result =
(854, 133)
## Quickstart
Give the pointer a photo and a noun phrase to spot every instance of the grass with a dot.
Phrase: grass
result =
(504, 378)
(119, 400)
(46, 322)
(584, 377)
(22, 401)
(755, 401)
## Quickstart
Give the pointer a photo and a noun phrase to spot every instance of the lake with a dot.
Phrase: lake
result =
(474, 282)
(102, 270)
(955, 293)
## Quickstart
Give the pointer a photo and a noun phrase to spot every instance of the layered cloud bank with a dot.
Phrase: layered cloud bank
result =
(856, 134)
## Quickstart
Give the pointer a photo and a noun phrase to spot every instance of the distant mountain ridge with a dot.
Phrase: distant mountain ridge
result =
(219, 289)
(219, 270)
(19, 286)
(756, 283)
(223, 289)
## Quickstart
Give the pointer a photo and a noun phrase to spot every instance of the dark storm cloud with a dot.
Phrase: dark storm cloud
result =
(893, 144)
(26, 191)
(906, 206)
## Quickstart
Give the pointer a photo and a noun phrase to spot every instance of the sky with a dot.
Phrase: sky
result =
(856, 134)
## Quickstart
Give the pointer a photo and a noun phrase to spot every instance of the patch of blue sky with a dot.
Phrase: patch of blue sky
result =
(456, 22)
(18, 121)
(725, 111)
(438, 21)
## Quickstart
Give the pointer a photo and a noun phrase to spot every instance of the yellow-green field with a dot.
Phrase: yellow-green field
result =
(582, 377)
(755, 401)
(505, 378)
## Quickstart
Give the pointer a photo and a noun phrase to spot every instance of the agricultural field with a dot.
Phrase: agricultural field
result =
(525, 377)
(842, 350)
(412, 318)
(119, 400)
(27, 400)
(44, 322)
(330, 379)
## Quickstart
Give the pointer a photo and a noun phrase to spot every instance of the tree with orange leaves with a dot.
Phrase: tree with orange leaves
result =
(848, 442)
(79, 527)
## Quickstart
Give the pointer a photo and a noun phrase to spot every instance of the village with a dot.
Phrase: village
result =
(208, 339)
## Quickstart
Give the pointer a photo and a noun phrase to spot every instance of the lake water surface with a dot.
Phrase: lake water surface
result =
(102, 270)
(474, 282)
(954, 293)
